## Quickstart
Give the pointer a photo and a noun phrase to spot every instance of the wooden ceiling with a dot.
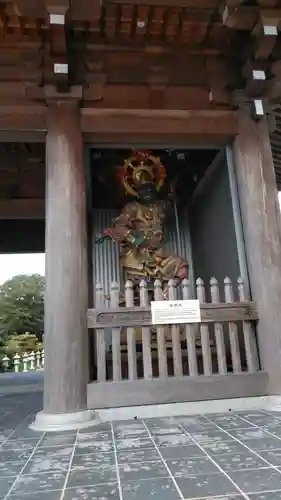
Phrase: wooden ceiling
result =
(208, 56)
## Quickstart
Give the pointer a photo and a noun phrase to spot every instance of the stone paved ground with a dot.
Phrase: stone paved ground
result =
(225, 457)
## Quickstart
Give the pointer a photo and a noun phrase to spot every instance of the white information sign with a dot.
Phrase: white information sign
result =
(166, 312)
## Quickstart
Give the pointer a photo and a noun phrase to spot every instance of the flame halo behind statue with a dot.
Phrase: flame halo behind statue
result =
(140, 168)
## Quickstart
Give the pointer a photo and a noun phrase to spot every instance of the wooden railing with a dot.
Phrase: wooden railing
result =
(128, 346)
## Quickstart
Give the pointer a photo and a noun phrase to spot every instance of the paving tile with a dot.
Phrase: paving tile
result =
(172, 440)
(40, 495)
(97, 436)
(272, 456)
(250, 433)
(275, 430)
(39, 482)
(269, 443)
(25, 432)
(5, 485)
(234, 424)
(142, 455)
(11, 469)
(223, 448)
(257, 480)
(129, 429)
(191, 466)
(133, 443)
(27, 444)
(63, 440)
(145, 470)
(100, 492)
(92, 446)
(228, 497)
(158, 489)
(188, 451)
(212, 436)
(239, 461)
(273, 495)
(162, 429)
(47, 464)
(104, 426)
(95, 475)
(192, 422)
(159, 422)
(89, 460)
(204, 486)
(14, 455)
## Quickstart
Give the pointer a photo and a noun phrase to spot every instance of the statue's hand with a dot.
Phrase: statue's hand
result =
(99, 238)
(115, 233)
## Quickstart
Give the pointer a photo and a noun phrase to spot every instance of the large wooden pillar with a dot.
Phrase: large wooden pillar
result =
(262, 232)
(66, 299)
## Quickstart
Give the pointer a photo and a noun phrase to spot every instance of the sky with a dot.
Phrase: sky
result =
(13, 264)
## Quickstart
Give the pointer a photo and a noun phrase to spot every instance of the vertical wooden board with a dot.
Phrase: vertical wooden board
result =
(249, 335)
(175, 329)
(100, 340)
(146, 335)
(190, 333)
(204, 330)
(219, 334)
(116, 352)
(131, 334)
(161, 342)
(233, 331)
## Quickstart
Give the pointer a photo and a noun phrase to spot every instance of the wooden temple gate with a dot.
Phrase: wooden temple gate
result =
(137, 72)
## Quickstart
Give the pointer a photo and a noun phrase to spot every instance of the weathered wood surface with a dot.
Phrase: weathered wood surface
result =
(141, 315)
(262, 230)
(66, 296)
(174, 390)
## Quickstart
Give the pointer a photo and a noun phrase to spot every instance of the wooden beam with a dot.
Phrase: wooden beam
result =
(22, 209)
(208, 124)
(265, 33)
(141, 316)
(198, 4)
(83, 10)
(30, 8)
(23, 118)
(240, 17)
(57, 10)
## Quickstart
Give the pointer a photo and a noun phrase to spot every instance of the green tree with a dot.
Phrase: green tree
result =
(25, 342)
(22, 306)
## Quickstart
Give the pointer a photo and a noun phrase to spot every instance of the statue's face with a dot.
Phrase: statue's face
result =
(147, 192)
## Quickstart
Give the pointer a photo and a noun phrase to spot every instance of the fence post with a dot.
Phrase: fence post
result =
(161, 341)
(219, 336)
(176, 342)
(100, 340)
(190, 333)
(116, 354)
(131, 334)
(233, 333)
(146, 335)
(204, 329)
(249, 334)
